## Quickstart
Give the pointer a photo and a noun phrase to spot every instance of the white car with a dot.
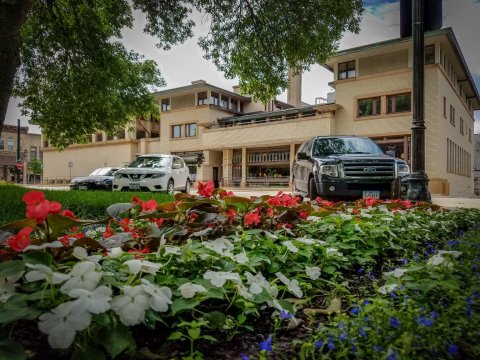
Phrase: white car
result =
(154, 172)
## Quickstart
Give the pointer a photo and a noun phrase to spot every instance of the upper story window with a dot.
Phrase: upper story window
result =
(191, 130)
(461, 126)
(10, 144)
(224, 101)
(346, 70)
(234, 105)
(469, 135)
(98, 137)
(45, 143)
(33, 152)
(202, 98)
(121, 134)
(2, 144)
(444, 107)
(399, 103)
(176, 131)
(452, 115)
(215, 99)
(429, 54)
(166, 105)
(369, 107)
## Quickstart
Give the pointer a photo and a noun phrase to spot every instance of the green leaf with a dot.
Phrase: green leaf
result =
(194, 333)
(11, 350)
(34, 258)
(116, 339)
(216, 319)
(175, 335)
(287, 306)
(9, 268)
(58, 224)
(102, 319)
(329, 269)
(10, 313)
(20, 224)
(182, 304)
(208, 337)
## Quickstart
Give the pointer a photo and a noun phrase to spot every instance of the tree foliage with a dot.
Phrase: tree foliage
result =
(76, 76)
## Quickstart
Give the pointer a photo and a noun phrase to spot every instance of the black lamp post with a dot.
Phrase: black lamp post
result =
(415, 186)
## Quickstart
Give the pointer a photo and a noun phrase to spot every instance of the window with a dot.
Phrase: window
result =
(10, 144)
(430, 54)
(346, 70)
(452, 115)
(234, 105)
(177, 162)
(165, 104)
(461, 126)
(191, 130)
(469, 135)
(45, 143)
(399, 103)
(2, 144)
(369, 107)
(176, 131)
(98, 137)
(121, 134)
(202, 98)
(140, 135)
(33, 152)
(224, 102)
(215, 98)
(109, 136)
(444, 107)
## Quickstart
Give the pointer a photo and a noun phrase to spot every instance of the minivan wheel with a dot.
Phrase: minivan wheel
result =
(187, 187)
(170, 187)
(312, 189)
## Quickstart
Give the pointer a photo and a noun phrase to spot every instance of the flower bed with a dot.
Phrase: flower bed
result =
(195, 277)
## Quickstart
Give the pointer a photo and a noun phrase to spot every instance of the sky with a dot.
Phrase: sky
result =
(185, 63)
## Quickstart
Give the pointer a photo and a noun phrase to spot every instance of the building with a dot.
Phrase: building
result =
(29, 150)
(476, 168)
(247, 144)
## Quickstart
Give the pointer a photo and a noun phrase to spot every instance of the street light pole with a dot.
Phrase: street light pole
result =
(17, 170)
(417, 183)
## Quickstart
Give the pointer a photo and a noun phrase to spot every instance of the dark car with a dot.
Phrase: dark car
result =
(100, 179)
(346, 168)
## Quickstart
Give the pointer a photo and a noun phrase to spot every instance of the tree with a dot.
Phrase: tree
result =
(36, 168)
(76, 77)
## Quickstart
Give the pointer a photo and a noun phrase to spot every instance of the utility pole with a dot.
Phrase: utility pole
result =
(17, 170)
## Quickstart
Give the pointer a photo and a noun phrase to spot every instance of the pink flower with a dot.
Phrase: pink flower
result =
(230, 214)
(20, 241)
(205, 189)
(252, 218)
(33, 197)
(150, 205)
(68, 213)
(54, 207)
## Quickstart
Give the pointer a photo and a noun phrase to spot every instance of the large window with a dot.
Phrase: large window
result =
(398, 103)
(176, 131)
(346, 70)
(165, 104)
(369, 107)
(224, 101)
(98, 137)
(234, 105)
(202, 98)
(33, 152)
(10, 144)
(444, 107)
(2, 144)
(430, 54)
(452, 115)
(191, 130)
(215, 99)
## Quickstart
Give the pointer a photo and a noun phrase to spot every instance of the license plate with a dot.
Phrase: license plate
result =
(83, 187)
(134, 186)
(370, 193)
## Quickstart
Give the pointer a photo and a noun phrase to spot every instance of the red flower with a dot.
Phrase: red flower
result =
(68, 213)
(192, 216)
(159, 222)
(252, 218)
(65, 240)
(108, 232)
(33, 197)
(54, 207)
(38, 211)
(136, 200)
(205, 189)
(145, 250)
(150, 205)
(20, 241)
(226, 193)
(125, 224)
(230, 214)
(303, 214)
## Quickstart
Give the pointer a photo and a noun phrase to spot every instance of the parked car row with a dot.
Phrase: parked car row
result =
(166, 173)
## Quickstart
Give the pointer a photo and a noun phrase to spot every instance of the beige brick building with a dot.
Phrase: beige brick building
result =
(248, 144)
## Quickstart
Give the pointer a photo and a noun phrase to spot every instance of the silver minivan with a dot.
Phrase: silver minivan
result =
(153, 172)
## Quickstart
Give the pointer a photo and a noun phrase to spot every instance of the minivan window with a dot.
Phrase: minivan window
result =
(338, 146)
(150, 162)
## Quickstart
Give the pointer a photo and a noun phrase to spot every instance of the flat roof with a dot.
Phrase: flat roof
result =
(196, 85)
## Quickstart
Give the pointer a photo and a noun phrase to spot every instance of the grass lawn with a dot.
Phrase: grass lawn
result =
(84, 204)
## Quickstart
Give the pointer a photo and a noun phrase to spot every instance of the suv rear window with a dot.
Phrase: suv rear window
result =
(338, 146)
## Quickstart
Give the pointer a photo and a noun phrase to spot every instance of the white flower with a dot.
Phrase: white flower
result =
(96, 301)
(63, 322)
(396, 273)
(257, 283)
(115, 252)
(241, 258)
(43, 272)
(289, 245)
(332, 251)
(454, 253)
(218, 278)
(82, 276)
(174, 250)
(313, 272)
(346, 217)
(386, 289)
(135, 266)
(292, 285)
(221, 246)
(53, 244)
(91, 233)
(188, 290)
(160, 297)
(435, 260)
(7, 286)
(82, 254)
(131, 306)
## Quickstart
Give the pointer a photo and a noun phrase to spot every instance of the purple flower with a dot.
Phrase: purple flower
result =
(423, 320)
(266, 345)
(434, 315)
(284, 314)
(360, 271)
(393, 294)
(404, 261)
(371, 276)
(342, 336)
(391, 354)
(330, 345)
(443, 303)
(354, 349)
(394, 322)
(355, 310)
(362, 332)
(452, 242)
(317, 344)
(244, 357)
(476, 294)
(377, 348)
(452, 349)
(366, 302)
(469, 300)
(469, 311)
(340, 325)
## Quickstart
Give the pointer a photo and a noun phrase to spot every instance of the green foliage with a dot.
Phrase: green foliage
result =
(36, 167)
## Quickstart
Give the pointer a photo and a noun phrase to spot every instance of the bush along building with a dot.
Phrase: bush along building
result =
(228, 137)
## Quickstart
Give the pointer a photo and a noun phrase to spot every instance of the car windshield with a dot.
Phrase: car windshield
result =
(338, 146)
(150, 162)
(103, 172)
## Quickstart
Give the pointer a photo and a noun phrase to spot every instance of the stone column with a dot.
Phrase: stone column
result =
(243, 184)
(292, 157)
(227, 164)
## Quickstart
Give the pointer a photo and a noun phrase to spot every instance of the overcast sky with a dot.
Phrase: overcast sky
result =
(185, 63)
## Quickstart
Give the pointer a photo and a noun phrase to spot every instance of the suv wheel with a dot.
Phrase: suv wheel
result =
(312, 189)
(187, 187)
(170, 187)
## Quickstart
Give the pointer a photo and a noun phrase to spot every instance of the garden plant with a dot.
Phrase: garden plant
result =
(215, 275)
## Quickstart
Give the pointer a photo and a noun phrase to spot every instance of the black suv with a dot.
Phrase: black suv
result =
(345, 168)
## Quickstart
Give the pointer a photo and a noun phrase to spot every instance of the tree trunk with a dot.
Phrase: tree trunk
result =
(12, 17)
